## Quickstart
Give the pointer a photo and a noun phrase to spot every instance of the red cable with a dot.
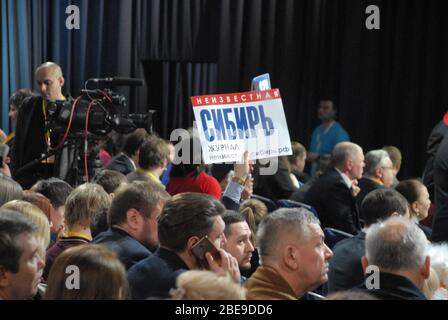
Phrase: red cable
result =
(106, 95)
(72, 112)
(86, 140)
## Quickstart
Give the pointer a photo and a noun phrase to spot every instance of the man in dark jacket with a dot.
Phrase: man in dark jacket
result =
(133, 220)
(185, 220)
(378, 173)
(126, 162)
(333, 194)
(32, 137)
(440, 219)
(396, 263)
(434, 140)
(345, 268)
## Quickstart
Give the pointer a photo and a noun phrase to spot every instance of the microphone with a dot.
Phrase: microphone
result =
(119, 81)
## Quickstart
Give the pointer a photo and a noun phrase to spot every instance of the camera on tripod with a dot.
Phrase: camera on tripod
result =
(99, 112)
(77, 127)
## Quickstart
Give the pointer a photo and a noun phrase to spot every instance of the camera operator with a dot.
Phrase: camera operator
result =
(32, 137)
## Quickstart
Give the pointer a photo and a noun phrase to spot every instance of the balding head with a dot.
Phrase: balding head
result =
(50, 67)
(348, 158)
(50, 80)
(398, 246)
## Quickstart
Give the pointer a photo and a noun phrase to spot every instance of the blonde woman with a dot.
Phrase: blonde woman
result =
(81, 207)
(206, 285)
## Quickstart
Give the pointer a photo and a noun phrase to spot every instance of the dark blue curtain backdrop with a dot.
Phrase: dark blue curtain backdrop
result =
(388, 84)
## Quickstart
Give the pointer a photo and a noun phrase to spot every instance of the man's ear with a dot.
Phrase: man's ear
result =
(364, 263)
(348, 165)
(191, 242)
(291, 257)
(379, 172)
(4, 281)
(61, 81)
(414, 206)
(132, 218)
(425, 270)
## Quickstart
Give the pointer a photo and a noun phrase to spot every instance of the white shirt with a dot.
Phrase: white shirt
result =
(132, 161)
(346, 179)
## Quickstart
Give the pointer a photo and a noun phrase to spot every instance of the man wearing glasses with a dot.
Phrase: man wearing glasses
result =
(378, 173)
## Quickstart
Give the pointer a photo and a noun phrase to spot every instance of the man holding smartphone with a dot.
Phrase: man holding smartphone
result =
(189, 220)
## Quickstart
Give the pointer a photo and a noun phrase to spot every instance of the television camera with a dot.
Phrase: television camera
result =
(77, 126)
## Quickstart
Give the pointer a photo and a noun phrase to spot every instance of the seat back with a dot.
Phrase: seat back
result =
(294, 204)
(333, 236)
(270, 204)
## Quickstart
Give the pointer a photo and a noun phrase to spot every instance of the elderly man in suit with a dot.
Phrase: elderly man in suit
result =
(397, 248)
(333, 194)
(378, 173)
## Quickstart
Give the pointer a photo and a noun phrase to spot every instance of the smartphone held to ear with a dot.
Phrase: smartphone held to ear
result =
(202, 247)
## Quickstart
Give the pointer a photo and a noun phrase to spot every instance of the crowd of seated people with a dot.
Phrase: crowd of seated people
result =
(133, 233)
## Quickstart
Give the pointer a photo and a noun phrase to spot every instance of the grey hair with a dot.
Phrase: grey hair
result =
(344, 151)
(439, 261)
(375, 159)
(279, 223)
(396, 244)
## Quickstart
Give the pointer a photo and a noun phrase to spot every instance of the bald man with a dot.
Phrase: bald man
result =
(32, 139)
(333, 195)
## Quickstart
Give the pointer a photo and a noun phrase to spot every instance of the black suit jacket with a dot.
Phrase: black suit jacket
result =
(153, 277)
(334, 203)
(29, 141)
(277, 186)
(395, 287)
(440, 219)
(366, 185)
(128, 250)
(434, 140)
(121, 163)
(345, 270)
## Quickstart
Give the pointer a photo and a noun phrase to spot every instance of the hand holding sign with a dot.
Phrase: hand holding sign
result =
(230, 124)
(242, 168)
